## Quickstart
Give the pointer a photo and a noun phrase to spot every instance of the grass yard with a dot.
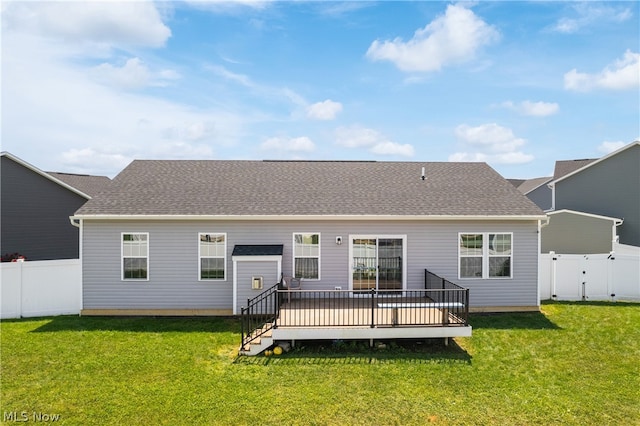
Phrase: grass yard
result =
(573, 363)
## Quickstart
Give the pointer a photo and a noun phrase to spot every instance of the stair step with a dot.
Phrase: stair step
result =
(256, 347)
(263, 338)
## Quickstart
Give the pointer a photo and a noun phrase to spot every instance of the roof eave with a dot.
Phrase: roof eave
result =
(529, 217)
(593, 163)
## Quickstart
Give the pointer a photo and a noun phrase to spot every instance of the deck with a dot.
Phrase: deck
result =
(329, 318)
(279, 314)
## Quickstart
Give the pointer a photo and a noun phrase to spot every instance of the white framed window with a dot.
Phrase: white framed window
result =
(135, 256)
(306, 255)
(212, 254)
(485, 255)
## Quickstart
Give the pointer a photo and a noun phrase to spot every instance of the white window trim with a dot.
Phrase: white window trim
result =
(213, 257)
(122, 278)
(485, 256)
(293, 262)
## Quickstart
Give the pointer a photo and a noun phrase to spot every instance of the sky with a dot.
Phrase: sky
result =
(87, 87)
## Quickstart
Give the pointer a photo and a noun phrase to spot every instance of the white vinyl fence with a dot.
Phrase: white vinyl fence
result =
(595, 277)
(40, 288)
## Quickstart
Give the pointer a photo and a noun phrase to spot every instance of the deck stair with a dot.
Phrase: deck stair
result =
(259, 344)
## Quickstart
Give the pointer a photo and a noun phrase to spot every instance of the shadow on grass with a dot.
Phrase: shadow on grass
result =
(512, 320)
(406, 351)
(140, 324)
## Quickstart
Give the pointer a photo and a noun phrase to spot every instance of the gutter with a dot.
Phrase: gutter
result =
(157, 217)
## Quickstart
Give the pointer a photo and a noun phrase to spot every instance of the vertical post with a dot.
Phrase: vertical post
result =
(466, 306)
(611, 277)
(554, 259)
(373, 292)
(242, 328)
(276, 307)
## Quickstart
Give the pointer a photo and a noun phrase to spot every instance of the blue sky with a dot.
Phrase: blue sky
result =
(89, 86)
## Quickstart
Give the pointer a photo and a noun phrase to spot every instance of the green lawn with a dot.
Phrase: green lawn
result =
(572, 364)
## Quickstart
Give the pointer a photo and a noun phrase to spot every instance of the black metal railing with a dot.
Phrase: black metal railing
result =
(258, 317)
(440, 304)
(399, 308)
(460, 294)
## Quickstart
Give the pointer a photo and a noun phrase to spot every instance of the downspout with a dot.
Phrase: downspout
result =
(552, 186)
(614, 236)
(612, 256)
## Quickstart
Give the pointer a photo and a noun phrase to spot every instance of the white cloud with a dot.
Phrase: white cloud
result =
(374, 141)
(131, 23)
(490, 143)
(192, 131)
(505, 158)
(621, 75)
(177, 149)
(228, 6)
(60, 115)
(93, 160)
(299, 144)
(535, 109)
(588, 14)
(452, 38)
(608, 147)
(392, 148)
(265, 91)
(325, 110)
(133, 74)
(241, 79)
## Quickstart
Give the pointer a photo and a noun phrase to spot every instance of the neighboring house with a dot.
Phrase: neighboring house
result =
(36, 207)
(536, 190)
(609, 186)
(570, 232)
(202, 237)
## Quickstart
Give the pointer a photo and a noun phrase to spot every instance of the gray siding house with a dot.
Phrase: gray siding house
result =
(570, 232)
(202, 237)
(536, 190)
(609, 186)
(36, 206)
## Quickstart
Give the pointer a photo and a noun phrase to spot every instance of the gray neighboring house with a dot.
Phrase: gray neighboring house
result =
(536, 190)
(571, 232)
(36, 206)
(608, 187)
(201, 237)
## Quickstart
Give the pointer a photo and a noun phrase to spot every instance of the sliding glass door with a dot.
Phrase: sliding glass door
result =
(377, 263)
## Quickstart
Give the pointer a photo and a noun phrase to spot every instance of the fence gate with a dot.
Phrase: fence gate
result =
(589, 277)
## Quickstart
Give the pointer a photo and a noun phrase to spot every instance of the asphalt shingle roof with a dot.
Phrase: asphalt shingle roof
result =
(564, 167)
(211, 187)
(530, 184)
(90, 185)
(258, 250)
